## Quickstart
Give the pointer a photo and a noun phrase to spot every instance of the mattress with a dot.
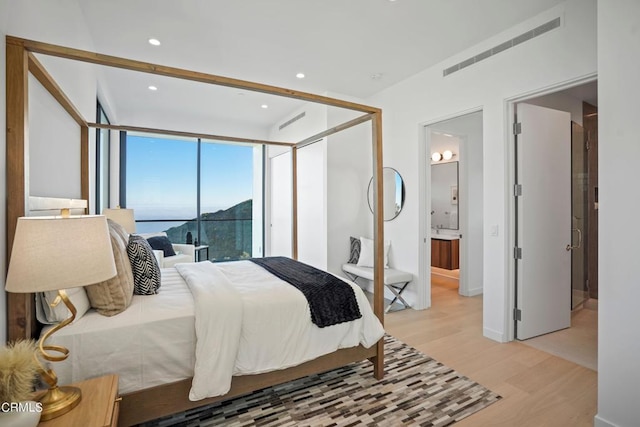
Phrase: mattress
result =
(153, 342)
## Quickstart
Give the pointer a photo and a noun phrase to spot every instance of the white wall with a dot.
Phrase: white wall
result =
(472, 218)
(62, 23)
(349, 170)
(53, 135)
(257, 223)
(566, 53)
(312, 235)
(314, 121)
(279, 206)
(312, 218)
(619, 270)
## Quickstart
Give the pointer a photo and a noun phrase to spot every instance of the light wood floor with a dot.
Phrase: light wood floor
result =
(537, 388)
(579, 343)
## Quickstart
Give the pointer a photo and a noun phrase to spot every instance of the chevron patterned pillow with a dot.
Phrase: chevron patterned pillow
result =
(354, 251)
(146, 272)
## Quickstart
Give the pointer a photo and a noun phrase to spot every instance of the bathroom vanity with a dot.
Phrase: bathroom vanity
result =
(445, 251)
(445, 235)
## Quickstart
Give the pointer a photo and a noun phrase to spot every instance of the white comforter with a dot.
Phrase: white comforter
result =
(249, 321)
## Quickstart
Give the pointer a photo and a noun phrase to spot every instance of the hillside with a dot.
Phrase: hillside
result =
(227, 232)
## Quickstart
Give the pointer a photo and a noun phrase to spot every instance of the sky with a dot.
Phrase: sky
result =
(162, 176)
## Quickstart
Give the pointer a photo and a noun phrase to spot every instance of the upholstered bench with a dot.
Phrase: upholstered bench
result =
(395, 280)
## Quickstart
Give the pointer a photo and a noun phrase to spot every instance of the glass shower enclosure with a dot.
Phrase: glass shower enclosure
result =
(579, 216)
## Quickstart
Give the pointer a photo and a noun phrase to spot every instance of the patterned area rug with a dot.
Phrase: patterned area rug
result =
(416, 390)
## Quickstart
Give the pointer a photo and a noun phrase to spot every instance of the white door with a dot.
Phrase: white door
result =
(312, 228)
(543, 274)
(280, 205)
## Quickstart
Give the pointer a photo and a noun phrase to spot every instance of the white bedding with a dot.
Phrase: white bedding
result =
(153, 342)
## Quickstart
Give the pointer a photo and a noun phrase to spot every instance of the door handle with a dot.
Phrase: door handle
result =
(579, 245)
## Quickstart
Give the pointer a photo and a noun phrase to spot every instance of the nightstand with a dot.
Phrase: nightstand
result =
(98, 408)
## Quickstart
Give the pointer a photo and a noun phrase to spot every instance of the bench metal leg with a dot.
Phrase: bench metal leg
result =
(351, 276)
(395, 288)
(397, 291)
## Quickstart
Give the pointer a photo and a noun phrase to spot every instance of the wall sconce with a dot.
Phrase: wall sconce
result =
(445, 155)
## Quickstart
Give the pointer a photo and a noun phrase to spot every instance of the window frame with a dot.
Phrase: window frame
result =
(199, 141)
(101, 175)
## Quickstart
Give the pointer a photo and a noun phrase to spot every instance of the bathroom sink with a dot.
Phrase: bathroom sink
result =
(443, 236)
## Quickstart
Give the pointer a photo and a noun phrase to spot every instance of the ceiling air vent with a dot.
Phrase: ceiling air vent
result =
(544, 28)
(290, 121)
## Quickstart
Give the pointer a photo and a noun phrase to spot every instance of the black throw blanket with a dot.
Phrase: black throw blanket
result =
(331, 300)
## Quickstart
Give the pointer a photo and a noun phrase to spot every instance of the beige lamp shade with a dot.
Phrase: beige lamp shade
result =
(52, 253)
(124, 217)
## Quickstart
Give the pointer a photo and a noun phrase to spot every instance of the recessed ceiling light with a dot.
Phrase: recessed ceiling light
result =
(153, 88)
(154, 42)
(264, 106)
(448, 134)
(300, 75)
(376, 76)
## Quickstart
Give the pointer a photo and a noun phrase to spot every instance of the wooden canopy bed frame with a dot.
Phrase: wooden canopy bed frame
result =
(170, 398)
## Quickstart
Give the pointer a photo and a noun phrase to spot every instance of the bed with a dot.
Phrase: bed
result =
(153, 341)
(145, 398)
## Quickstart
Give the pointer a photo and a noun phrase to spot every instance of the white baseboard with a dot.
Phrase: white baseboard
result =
(472, 292)
(494, 335)
(601, 422)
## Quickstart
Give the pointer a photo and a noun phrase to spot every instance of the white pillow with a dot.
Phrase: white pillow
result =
(366, 253)
(50, 315)
(156, 234)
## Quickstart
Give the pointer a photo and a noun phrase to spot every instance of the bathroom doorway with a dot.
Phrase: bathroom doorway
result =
(569, 265)
(452, 213)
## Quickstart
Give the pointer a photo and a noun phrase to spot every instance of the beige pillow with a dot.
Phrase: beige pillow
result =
(113, 296)
(114, 227)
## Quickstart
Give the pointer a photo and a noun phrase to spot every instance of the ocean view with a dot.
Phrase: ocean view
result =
(152, 227)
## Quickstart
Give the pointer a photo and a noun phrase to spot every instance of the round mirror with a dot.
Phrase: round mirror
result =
(393, 187)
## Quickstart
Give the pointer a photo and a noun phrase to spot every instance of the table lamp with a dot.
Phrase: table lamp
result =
(55, 253)
(124, 217)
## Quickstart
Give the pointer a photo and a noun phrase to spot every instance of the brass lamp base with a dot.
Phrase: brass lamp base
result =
(58, 401)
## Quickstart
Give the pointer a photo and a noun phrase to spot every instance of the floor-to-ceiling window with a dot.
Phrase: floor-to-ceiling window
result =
(226, 199)
(197, 191)
(161, 178)
(103, 149)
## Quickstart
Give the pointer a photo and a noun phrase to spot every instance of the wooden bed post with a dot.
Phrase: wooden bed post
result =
(20, 307)
(38, 71)
(378, 237)
(153, 402)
